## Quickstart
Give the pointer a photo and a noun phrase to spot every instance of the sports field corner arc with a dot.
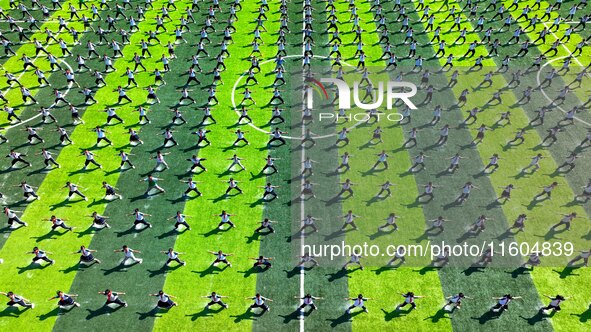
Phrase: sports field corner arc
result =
(185, 164)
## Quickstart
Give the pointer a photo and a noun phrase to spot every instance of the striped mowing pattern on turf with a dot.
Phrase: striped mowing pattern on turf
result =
(377, 281)
(57, 276)
(237, 282)
(139, 281)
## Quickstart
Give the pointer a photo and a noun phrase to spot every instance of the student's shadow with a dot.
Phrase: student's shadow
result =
(538, 317)
(341, 273)
(487, 316)
(11, 311)
(163, 270)
(342, 319)
(170, 233)
(294, 315)
(473, 269)
(47, 236)
(518, 272)
(210, 270)
(118, 268)
(567, 272)
(204, 313)
(149, 314)
(247, 315)
(584, 316)
(388, 316)
(104, 310)
(428, 268)
(64, 203)
(440, 314)
(53, 313)
(130, 230)
(31, 267)
(253, 270)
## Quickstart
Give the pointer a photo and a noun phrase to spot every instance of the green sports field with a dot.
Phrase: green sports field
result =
(286, 282)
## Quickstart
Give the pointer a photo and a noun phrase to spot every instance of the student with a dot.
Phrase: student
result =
(140, 218)
(547, 191)
(89, 159)
(58, 222)
(86, 256)
(503, 302)
(113, 298)
(555, 303)
(262, 261)
(28, 190)
(99, 221)
(566, 221)
(584, 256)
(533, 260)
(266, 224)
(17, 157)
(409, 298)
(358, 302)
(308, 300)
(13, 218)
(455, 301)
(110, 191)
(128, 254)
(354, 259)
(519, 223)
(225, 219)
(173, 256)
(65, 300)
(164, 300)
(307, 258)
(390, 222)
(466, 189)
(232, 185)
(17, 300)
(269, 191)
(73, 189)
(48, 158)
(41, 255)
(309, 221)
(259, 302)
(349, 219)
(180, 219)
(220, 257)
(215, 299)
(152, 184)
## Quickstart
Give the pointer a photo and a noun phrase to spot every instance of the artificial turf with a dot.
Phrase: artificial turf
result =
(284, 281)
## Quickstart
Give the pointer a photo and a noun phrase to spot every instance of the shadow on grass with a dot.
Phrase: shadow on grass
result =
(247, 315)
(104, 310)
(566, 272)
(341, 273)
(439, 315)
(538, 317)
(487, 316)
(164, 269)
(584, 316)
(388, 316)
(12, 311)
(519, 272)
(150, 314)
(212, 269)
(204, 313)
(342, 319)
(295, 315)
(31, 267)
(53, 313)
